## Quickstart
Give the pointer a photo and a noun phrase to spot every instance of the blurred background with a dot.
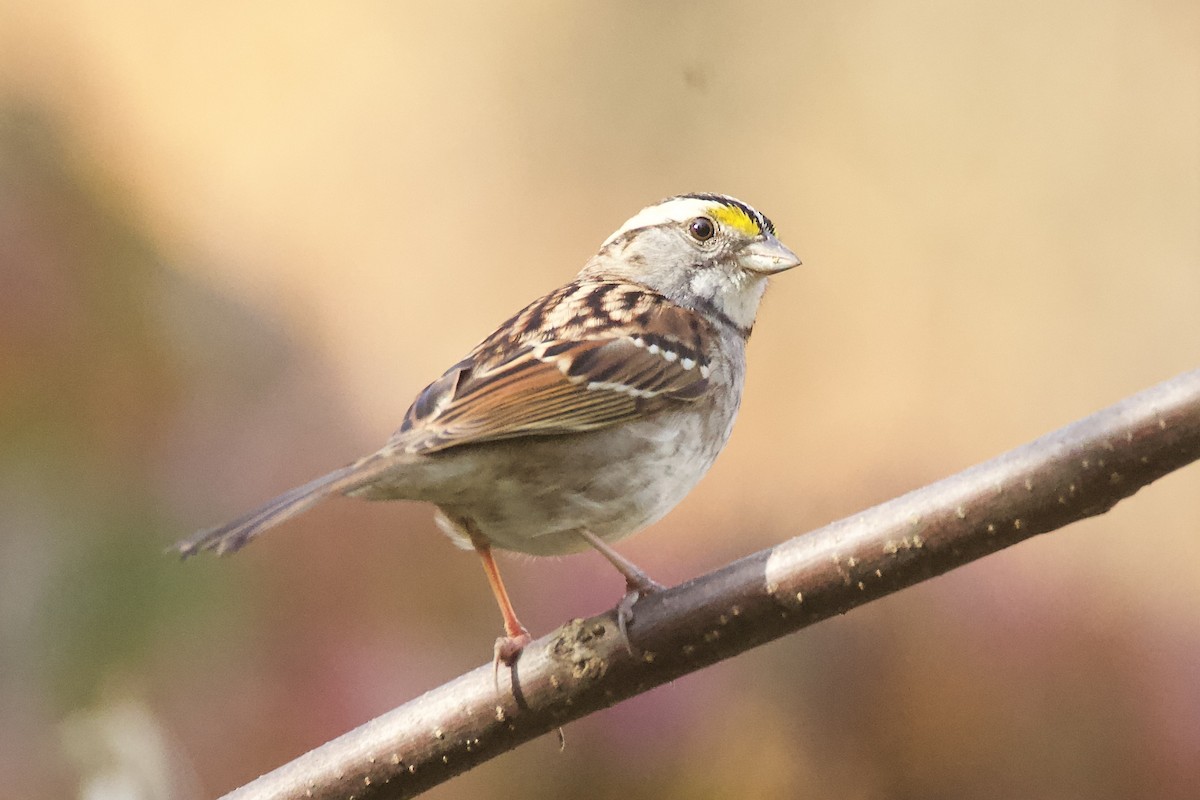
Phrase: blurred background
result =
(237, 238)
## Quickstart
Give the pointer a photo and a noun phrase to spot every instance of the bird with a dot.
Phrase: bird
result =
(587, 415)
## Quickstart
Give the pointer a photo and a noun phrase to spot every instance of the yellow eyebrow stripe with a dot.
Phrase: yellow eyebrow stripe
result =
(735, 218)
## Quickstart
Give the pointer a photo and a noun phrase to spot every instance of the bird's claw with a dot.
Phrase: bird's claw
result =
(633, 593)
(507, 649)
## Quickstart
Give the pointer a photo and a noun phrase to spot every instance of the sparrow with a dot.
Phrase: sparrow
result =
(587, 415)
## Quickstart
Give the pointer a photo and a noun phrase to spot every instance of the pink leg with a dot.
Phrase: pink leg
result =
(635, 579)
(516, 637)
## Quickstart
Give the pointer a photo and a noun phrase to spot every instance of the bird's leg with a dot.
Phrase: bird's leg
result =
(635, 580)
(509, 646)
(637, 583)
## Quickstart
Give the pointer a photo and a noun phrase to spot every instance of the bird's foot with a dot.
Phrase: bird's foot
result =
(635, 589)
(506, 651)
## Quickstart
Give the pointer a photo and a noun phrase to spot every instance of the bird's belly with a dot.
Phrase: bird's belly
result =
(533, 495)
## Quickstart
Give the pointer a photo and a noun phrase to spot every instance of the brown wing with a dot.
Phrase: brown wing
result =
(590, 355)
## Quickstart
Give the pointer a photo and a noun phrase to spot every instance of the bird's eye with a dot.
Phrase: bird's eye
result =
(702, 229)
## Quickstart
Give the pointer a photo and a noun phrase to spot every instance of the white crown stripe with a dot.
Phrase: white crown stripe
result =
(682, 209)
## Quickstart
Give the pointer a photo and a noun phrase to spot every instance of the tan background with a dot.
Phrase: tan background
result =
(236, 238)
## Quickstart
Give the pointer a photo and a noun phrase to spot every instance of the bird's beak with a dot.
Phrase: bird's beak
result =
(766, 256)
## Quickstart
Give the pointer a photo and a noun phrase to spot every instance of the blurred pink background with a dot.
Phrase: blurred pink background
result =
(236, 238)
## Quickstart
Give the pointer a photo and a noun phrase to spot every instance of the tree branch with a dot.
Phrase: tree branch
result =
(1078, 471)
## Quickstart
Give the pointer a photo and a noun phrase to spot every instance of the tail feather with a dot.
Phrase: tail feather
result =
(234, 535)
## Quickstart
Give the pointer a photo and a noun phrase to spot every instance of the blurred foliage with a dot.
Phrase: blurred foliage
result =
(75, 275)
(87, 389)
